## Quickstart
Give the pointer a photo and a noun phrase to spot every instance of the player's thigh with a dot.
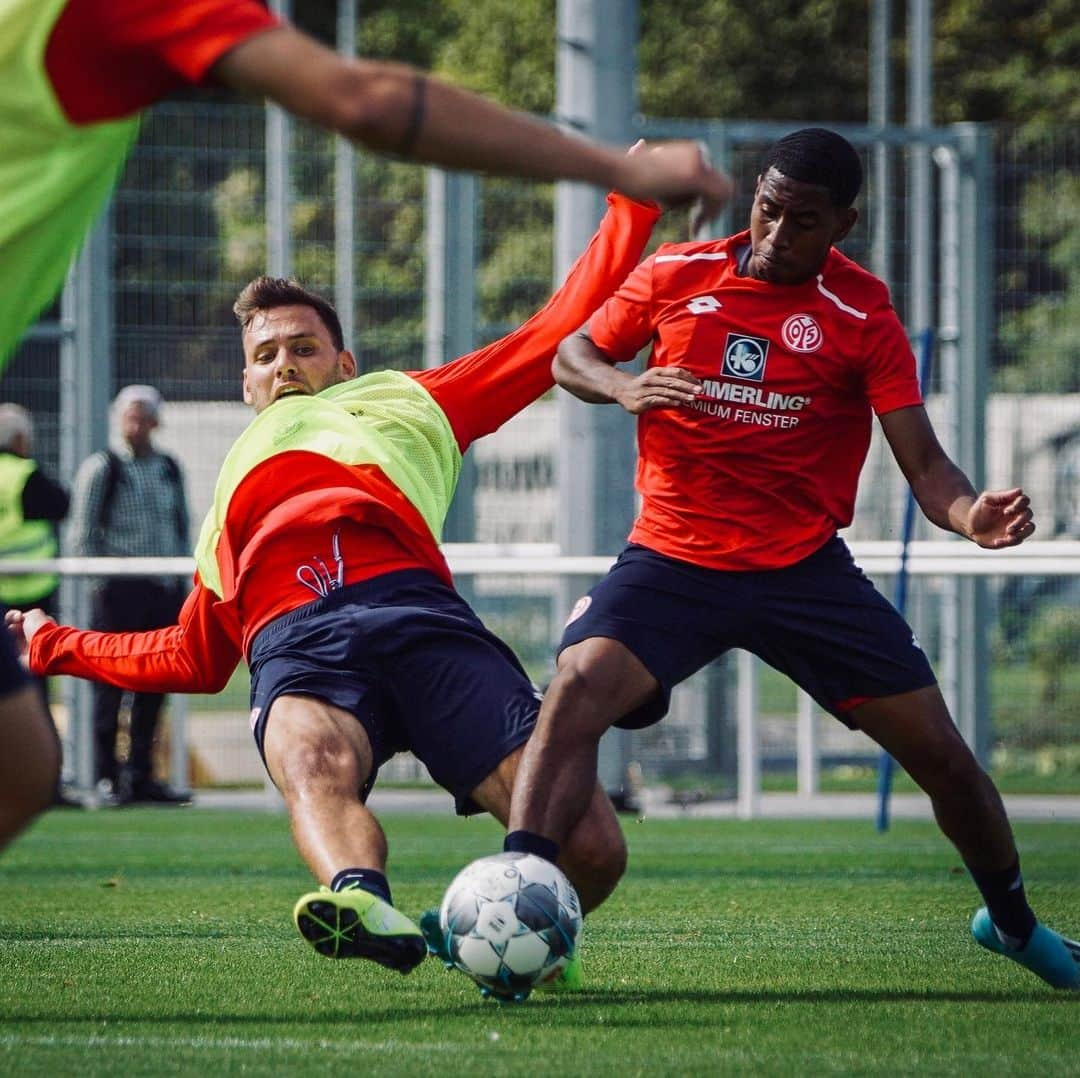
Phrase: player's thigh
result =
(916, 729)
(599, 680)
(649, 624)
(465, 705)
(29, 754)
(824, 624)
(309, 742)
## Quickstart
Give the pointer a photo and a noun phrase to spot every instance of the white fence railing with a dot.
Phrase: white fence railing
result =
(950, 558)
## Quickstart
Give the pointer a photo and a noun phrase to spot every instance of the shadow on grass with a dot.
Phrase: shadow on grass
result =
(815, 996)
(576, 1008)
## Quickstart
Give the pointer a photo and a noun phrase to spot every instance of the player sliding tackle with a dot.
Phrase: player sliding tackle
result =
(770, 353)
(319, 563)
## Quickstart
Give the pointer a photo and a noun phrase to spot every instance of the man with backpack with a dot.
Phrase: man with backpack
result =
(130, 503)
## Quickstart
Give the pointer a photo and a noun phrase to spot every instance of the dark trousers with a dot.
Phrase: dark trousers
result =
(125, 605)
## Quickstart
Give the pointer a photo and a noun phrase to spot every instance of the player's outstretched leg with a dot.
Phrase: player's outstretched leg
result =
(1047, 954)
(358, 924)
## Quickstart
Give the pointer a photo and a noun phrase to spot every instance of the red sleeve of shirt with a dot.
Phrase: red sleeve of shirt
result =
(623, 326)
(891, 378)
(112, 58)
(482, 390)
(198, 654)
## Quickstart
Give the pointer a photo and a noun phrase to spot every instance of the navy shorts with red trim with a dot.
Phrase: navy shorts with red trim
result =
(407, 656)
(820, 621)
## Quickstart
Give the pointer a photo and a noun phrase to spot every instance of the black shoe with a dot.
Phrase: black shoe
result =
(62, 801)
(152, 793)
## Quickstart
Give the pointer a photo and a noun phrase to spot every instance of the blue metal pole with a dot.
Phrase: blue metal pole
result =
(886, 764)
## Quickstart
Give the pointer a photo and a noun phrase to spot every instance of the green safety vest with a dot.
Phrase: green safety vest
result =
(22, 538)
(386, 419)
(55, 176)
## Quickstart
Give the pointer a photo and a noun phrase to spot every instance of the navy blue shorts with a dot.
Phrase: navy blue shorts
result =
(408, 657)
(13, 675)
(820, 621)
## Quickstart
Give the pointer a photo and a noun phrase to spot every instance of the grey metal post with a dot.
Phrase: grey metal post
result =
(345, 195)
(718, 146)
(921, 210)
(278, 225)
(278, 185)
(595, 95)
(87, 363)
(450, 304)
(975, 324)
(947, 344)
(880, 110)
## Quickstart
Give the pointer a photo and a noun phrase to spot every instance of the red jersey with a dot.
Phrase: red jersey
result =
(762, 469)
(285, 514)
(113, 58)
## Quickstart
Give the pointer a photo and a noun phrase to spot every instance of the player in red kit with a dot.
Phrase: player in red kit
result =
(771, 353)
(319, 564)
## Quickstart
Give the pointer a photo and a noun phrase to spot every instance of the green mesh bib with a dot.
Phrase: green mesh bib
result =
(55, 176)
(386, 419)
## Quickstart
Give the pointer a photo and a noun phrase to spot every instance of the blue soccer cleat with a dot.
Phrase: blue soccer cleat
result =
(437, 944)
(1047, 954)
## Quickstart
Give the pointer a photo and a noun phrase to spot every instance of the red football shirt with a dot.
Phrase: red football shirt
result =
(763, 469)
(284, 516)
(112, 58)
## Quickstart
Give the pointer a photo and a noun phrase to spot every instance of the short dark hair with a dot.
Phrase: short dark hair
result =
(265, 293)
(821, 157)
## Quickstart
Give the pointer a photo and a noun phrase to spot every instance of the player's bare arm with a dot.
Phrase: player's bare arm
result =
(582, 369)
(993, 519)
(396, 109)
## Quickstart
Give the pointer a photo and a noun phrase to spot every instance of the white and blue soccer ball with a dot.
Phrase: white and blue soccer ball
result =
(510, 922)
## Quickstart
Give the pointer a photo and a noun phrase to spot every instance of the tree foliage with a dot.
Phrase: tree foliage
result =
(766, 60)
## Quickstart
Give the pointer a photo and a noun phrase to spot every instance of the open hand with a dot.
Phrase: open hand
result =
(659, 387)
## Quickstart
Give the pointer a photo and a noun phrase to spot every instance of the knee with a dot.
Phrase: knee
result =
(320, 765)
(578, 699)
(595, 863)
(948, 767)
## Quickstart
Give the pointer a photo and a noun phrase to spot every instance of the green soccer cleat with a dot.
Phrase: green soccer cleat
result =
(571, 978)
(358, 924)
(1047, 954)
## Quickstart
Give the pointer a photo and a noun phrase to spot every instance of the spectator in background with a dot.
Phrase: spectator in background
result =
(130, 503)
(31, 506)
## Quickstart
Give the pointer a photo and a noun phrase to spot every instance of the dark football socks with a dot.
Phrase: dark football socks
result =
(366, 879)
(1003, 891)
(527, 842)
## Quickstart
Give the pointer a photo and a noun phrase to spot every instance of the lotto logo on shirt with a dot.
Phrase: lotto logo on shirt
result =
(744, 357)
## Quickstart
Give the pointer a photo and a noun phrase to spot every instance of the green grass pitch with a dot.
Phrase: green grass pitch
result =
(143, 942)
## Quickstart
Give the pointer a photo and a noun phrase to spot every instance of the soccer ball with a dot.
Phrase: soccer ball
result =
(510, 922)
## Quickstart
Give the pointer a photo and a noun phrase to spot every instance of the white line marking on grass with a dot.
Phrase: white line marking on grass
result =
(261, 1044)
